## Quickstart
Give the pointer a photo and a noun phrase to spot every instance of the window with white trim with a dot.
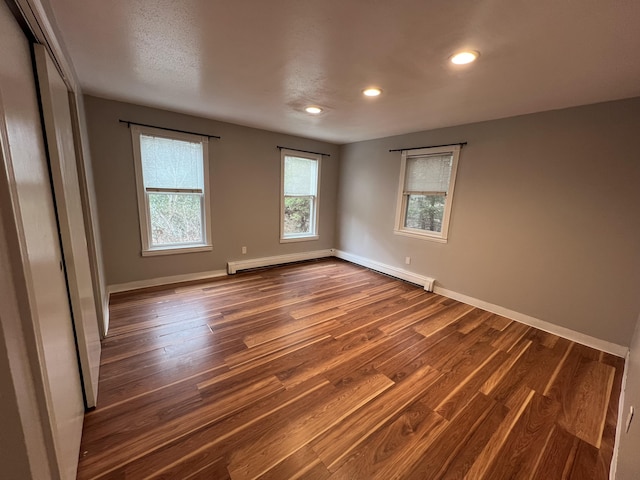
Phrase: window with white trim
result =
(425, 192)
(172, 179)
(299, 196)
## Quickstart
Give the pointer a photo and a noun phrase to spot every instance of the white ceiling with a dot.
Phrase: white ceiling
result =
(260, 62)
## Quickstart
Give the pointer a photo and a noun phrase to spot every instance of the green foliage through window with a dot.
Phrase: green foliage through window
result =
(425, 212)
(300, 175)
(175, 218)
(297, 215)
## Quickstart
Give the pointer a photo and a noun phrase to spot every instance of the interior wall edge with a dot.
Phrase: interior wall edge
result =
(244, 179)
(232, 268)
(569, 334)
(161, 281)
(17, 346)
(39, 19)
(38, 16)
(619, 423)
(627, 443)
(400, 273)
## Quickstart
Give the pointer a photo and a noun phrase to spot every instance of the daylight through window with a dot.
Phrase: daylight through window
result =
(299, 208)
(425, 192)
(172, 173)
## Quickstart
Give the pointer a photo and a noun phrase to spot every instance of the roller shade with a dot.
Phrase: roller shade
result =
(170, 163)
(428, 173)
(300, 176)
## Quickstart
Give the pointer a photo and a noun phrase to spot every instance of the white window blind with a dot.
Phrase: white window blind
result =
(429, 173)
(172, 183)
(171, 164)
(299, 203)
(425, 190)
(300, 176)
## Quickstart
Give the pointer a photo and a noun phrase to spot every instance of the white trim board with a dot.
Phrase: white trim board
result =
(156, 282)
(621, 419)
(233, 267)
(603, 345)
(582, 338)
(426, 282)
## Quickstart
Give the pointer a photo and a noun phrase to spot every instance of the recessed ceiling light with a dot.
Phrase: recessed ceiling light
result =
(313, 110)
(372, 92)
(462, 58)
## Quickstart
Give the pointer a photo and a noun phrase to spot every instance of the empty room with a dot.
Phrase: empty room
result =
(319, 240)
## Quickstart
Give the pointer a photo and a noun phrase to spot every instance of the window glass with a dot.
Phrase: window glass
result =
(300, 176)
(299, 196)
(169, 163)
(175, 218)
(425, 192)
(428, 173)
(171, 173)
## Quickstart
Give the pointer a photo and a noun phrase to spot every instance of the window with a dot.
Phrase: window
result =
(427, 177)
(173, 191)
(299, 199)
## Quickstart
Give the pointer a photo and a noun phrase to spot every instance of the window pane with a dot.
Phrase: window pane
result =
(168, 163)
(425, 212)
(175, 218)
(297, 215)
(428, 173)
(300, 176)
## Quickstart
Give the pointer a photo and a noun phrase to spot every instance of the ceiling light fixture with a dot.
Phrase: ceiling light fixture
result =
(372, 92)
(462, 58)
(313, 110)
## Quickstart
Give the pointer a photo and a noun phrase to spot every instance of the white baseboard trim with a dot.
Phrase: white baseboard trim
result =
(426, 282)
(584, 339)
(603, 345)
(233, 267)
(156, 282)
(621, 418)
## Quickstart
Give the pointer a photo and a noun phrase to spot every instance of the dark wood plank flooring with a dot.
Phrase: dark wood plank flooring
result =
(326, 370)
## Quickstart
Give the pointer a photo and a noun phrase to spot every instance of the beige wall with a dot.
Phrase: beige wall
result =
(545, 220)
(22, 445)
(628, 466)
(92, 224)
(13, 449)
(28, 236)
(245, 192)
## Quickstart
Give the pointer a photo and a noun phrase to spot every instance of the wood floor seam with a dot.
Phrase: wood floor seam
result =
(325, 370)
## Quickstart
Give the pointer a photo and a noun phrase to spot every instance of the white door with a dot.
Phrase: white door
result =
(34, 214)
(57, 120)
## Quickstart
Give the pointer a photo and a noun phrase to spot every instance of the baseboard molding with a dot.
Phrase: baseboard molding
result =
(426, 282)
(105, 318)
(621, 418)
(233, 267)
(584, 339)
(603, 345)
(156, 282)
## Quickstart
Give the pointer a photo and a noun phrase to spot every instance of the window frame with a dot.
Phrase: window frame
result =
(142, 193)
(315, 214)
(402, 198)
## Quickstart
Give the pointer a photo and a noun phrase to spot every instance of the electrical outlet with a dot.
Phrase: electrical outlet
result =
(629, 418)
(244, 250)
(407, 260)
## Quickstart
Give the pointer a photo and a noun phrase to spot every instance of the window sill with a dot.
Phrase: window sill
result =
(299, 239)
(421, 236)
(174, 250)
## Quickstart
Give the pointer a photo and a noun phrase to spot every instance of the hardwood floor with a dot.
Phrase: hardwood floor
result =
(326, 370)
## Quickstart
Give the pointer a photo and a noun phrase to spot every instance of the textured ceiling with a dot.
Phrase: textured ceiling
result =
(260, 62)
